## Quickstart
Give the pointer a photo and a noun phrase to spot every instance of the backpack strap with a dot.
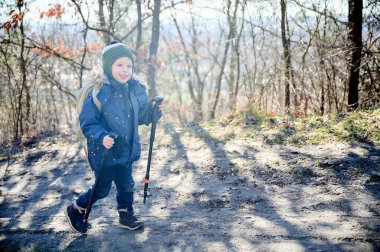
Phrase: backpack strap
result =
(95, 92)
(98, 84)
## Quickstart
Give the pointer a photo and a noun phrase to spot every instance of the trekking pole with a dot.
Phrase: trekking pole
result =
(158, 101)
(102, 163)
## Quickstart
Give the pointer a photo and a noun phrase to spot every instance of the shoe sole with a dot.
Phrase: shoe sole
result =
(131, 228)
(68, 218)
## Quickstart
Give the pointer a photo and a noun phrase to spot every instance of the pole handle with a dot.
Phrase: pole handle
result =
(158, 100)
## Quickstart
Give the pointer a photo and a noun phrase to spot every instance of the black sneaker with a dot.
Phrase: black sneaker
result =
(128, 220)
(76, 218)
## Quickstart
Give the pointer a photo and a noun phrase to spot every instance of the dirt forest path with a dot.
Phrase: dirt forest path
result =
(210, 193)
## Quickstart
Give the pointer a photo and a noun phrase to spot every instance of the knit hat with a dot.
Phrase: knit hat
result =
(111, 53)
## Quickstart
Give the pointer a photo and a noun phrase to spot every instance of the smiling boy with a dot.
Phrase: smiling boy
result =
(124, 106)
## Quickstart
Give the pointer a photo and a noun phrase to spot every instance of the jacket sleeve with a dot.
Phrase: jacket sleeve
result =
(89, 119)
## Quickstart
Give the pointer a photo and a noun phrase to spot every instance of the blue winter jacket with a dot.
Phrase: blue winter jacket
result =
(124, 108)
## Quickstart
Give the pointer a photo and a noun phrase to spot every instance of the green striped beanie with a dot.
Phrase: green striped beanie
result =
(111, 53)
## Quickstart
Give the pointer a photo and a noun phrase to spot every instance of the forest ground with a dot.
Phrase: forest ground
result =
(215, 187)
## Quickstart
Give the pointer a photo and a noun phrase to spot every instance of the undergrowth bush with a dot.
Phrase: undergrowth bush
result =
(314, 129)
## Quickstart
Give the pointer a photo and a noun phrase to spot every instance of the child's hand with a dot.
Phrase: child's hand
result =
(162, 105)
(108, 142)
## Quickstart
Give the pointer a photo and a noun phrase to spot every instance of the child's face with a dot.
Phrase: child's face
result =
(122, 69)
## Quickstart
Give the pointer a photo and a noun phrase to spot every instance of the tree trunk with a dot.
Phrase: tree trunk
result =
(83, 57)
(355, 20)
(322, 108)
(139, 36)
(194, 63)
(139, 25)
(233, 61)
(153, 48)
(102, 22)
(286, 55)
(251, 72)
(111, 25)
(20, 128)
(188, 62)
(237, 51)
(221, 73)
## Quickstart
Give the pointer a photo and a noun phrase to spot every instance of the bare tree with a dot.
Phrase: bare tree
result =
(196, 77)
(27, 58)
(138, 53)
(232, 82)
(139, 25)
(219, 78)
(286, 54)
(153, 63)
(355, 20)
(102, 22)
(16, 64)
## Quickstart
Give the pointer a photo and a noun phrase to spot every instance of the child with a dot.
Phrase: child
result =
(124, 106)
